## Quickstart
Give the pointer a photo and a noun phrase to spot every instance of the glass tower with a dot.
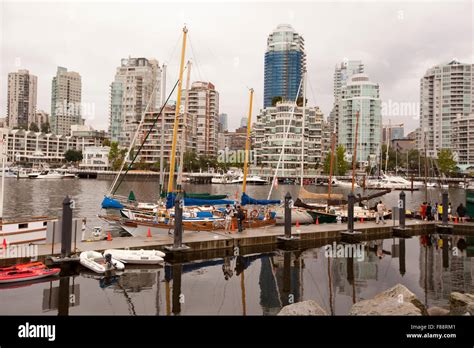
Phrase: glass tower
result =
(285, 62)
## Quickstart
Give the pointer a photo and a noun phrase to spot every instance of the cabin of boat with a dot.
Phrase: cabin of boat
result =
(28, 230)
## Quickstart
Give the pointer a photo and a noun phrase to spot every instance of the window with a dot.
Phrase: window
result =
(23, 225)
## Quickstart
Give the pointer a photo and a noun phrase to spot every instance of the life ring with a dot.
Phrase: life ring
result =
(254, 214)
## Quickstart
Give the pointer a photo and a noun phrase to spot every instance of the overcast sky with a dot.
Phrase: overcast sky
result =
(397, 41)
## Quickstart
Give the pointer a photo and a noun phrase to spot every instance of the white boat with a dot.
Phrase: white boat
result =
(394, 182)
(299, 215)
(221, 179)
(97, 262)
(251, 180)
(139, 257)
(49, 175)
(68, 176)
(27, 230)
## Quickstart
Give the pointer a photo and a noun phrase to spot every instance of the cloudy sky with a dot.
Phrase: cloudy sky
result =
(397, 41)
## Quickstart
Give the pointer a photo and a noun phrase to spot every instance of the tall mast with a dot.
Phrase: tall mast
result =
(162, 156)
(426, 169)
(176, 115)
(247, 142)
(333, 144)
(3, 155)
(184, 129)
(303, 129)
(354, 158)
(388, 139)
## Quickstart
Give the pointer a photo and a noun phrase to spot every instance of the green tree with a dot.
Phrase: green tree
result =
(276, 99)
(116, 155)
(106, 142)
(34, 127)
(73, 155)
(340, 165)
(446, 162)
(45, 127)
(190, 160)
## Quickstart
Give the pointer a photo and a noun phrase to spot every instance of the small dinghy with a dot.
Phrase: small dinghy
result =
(138, 257)
(99, 263)
(26, 272)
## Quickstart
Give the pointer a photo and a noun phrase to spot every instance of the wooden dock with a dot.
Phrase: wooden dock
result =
(199, 241)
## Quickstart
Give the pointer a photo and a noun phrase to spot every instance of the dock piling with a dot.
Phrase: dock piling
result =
(178, 225)
(402, 212)
(445, 227)
(66, 228)
(288, 207)
(350, 236)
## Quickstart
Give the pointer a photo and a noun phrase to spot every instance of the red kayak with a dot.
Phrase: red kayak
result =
(25, 274)
(23, 266)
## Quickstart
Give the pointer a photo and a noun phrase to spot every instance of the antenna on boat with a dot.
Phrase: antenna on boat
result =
(176, 118)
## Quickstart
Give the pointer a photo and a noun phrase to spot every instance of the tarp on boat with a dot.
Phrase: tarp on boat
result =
(110, 203)
(196, 195)
(196, 201)
(304, 194)
(246, 199)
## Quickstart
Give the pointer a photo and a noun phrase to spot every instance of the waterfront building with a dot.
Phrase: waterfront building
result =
(243, 122)
(137, 84)
(223, 123)
(268, 134)
(95, 158)
(151, 151)
(41, 118)
(233, 141)
(36, 147)
(66, 98)
(203, 104)
(446, 91)
(285, 62)
(463, 139)
(21, 99)
(391, 132)
(342, 73)
(361, 95)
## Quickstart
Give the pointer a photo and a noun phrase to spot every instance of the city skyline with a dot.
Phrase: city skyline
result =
(396, 63)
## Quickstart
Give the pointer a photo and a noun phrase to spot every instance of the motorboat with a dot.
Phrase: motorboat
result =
(49, 175)
(394, 182)
(99, 263)
(139, 257)
(26, 272)
(221, 179)
(251, 180)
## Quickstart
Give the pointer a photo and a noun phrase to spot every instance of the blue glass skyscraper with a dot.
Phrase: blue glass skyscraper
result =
(285, 62)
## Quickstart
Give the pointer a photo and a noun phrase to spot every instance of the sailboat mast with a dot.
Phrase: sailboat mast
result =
(354, 158)
(162, 154)
(3, 155)
(303, 129)
(184, 130)
(176, 116)
(247, 143)
(333, 145)
(388, 139)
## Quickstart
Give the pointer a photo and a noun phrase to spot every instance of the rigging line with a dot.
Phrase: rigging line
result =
(193, 52)
(144, 140)
(173, 51)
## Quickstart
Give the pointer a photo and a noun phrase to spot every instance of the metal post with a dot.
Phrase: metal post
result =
(178, 221)
(445, 207)
(286, 278)
(402, 211)
(288, 206)
(445, 252)
(66, 228)
(63, 296)
(350, 212)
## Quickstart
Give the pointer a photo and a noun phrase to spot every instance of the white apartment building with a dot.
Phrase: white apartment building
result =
(21, 99)
(463, 138)
(342, 73)
(66, 98)
(361, 95)
(204, 105)
(36, 147)
(269, 133)
(137, 84)
(95, 158)
(446, 91)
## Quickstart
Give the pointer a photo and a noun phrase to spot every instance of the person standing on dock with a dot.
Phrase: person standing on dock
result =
(423, 211)
(229, 213)
(429, 211)
(440, 212)
(461, 211)
(240, 218)
(380, 211)
(434, 211)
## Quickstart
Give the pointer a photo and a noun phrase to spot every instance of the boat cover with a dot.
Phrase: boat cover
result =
(246, 199)
(110, 203)
(196, 201)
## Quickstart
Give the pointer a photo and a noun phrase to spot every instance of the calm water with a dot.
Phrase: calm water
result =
(251, 284)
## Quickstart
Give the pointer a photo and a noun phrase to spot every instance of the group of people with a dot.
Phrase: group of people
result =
(434, 212)
(229, 213)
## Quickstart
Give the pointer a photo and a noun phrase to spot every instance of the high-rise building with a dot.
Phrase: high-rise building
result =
(269, 132)
(137, 84)
(21, 100)
(66, 96)
(361, 95)
(285, 62)
(391, 132)
(244, 121)
(41, 118)
(204, 106)
(446, 91)
(342, 74)
(463, 138)
(223, 123)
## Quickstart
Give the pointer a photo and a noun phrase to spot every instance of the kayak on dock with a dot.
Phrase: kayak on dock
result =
(26, 272)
